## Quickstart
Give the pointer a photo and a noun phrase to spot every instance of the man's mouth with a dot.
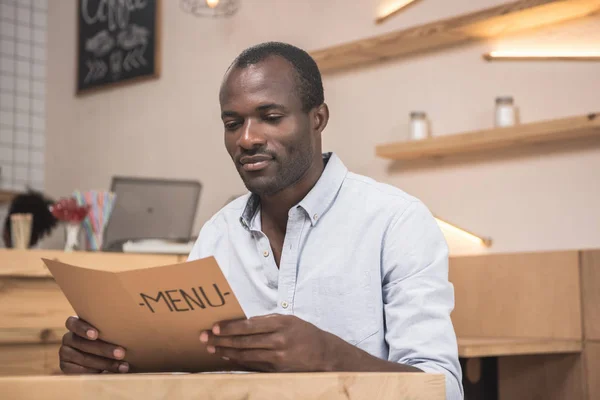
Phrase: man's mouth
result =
(255, 163)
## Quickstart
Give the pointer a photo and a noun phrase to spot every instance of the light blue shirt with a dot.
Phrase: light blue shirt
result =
(361, 259)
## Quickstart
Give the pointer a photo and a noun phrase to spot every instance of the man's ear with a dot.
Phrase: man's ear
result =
(320, 118)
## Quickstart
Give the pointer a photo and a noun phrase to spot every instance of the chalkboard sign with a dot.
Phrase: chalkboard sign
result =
(118, 42)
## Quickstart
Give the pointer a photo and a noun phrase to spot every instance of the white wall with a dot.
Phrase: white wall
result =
(22, 96)
(170, 127)
(22, 93)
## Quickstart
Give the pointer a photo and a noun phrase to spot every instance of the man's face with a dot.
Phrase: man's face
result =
(267, 134)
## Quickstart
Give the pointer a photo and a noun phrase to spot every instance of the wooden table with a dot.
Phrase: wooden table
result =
(472, 347)
(324, 386)
(508, 297)
(479, 358)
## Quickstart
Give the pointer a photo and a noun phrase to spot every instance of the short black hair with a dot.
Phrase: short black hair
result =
(309, 86)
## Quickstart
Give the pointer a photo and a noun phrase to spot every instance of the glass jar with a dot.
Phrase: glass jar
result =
(506, 114)
(419, 126)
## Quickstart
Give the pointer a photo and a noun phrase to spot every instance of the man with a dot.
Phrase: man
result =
(337, 272)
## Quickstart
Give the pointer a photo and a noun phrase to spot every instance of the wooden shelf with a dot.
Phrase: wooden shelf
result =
(565, 129)
(494, 22)
(6, 196)
(469, 347)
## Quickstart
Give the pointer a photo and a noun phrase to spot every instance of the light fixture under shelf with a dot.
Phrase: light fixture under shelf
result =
(448, 227)
(542, 55)
(210, 8)
(387, 8)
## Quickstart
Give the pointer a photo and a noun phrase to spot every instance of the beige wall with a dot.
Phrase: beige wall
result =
(170, 127)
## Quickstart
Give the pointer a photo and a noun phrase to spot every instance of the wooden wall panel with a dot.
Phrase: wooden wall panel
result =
(543, 377)
(591, 356)
(517, 295)
(590, 287)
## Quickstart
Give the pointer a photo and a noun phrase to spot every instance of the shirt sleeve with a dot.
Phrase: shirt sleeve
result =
(418, 298)
(205, 243)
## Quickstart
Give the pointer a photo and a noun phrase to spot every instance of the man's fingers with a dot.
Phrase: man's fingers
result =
(89, 362)
(81, 328)
(259, 359)
(258, 341)
(70, 368)
(251, 326)
(96, 347)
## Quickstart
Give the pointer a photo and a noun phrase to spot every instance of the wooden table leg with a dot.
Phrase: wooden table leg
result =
(480, 378)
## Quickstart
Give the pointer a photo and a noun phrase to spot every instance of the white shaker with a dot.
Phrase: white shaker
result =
(506, 113)
(419, 126)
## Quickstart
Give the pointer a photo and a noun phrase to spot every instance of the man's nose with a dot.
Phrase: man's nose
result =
(251, 136)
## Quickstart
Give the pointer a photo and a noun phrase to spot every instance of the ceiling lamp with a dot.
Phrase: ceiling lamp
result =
(210, 8)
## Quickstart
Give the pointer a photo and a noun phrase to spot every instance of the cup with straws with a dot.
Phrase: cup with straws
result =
(101, 205)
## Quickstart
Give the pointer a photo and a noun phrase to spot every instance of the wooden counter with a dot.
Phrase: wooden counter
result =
(28, 263)
(504, 304)
(33, 309)
(330, 386)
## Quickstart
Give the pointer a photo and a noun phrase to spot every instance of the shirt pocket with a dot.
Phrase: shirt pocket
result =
(346, 306)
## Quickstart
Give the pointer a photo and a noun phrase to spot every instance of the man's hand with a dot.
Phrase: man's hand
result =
(279, 343)
(82, 353)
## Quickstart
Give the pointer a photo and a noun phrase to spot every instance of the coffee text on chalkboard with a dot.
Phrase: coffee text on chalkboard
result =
(116, 42)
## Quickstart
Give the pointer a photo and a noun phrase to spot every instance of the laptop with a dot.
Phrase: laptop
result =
(151, 209)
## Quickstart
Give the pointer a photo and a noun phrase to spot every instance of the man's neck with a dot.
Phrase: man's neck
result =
(275, 208)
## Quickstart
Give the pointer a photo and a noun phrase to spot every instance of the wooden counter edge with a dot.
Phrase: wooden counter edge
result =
(375, 386)
(17, 264)
(496, 347)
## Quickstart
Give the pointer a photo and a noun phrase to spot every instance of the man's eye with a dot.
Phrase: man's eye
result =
(231, 125)
(273, 117)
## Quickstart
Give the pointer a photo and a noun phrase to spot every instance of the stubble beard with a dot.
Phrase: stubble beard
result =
(288, 173)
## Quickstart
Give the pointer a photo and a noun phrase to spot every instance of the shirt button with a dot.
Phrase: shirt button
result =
(284, 304)
(315, 216)
(266, 253)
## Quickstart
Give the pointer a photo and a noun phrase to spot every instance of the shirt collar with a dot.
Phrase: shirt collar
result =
(250, 211)
(316, 202)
